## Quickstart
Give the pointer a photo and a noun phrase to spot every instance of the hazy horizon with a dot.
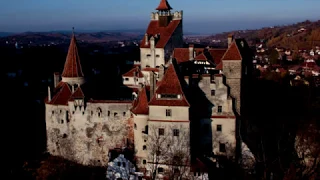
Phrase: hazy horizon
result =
(203, 17)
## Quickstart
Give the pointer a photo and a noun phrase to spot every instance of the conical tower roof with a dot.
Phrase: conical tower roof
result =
(164, 6)
(72, 66)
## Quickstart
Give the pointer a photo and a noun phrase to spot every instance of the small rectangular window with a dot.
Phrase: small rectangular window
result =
(160, 170)
(176, 132)
(222, 147)
(219, 109)
(126, 79)
(213, 92)
(219, 127)
(161, 131)
(168, 112)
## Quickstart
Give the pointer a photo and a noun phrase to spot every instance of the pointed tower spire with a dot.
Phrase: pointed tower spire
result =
(164, 6)
(72, 72)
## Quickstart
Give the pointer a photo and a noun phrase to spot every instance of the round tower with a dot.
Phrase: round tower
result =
(140, 113)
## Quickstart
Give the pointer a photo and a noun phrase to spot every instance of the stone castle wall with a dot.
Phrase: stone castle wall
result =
(86, 135)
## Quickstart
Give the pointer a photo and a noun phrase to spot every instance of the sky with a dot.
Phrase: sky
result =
(199, 16)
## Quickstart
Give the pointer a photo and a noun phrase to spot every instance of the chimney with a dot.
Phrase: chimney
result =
(161, 72)
(153, 83)
(191, 51)
(152, 42)
(230, 39)
(56, 79)
(146, 39)
(186, 78)
(49, 94)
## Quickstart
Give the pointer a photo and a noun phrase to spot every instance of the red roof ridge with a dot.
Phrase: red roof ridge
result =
(72, 66)
(201, 57)
(232, 53)
(150, 69)
(142, 103)
(164, 6)
(132, 71)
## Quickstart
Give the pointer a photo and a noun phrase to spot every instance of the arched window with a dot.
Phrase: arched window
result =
(99, 111)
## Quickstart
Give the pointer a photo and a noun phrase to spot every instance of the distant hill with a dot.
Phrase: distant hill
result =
(4, 34)
(61, 36)
(303, 35)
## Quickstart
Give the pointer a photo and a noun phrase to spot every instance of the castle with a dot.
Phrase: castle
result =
(186, 102)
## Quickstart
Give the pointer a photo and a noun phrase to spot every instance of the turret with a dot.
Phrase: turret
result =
(164, 13)
(191, 51)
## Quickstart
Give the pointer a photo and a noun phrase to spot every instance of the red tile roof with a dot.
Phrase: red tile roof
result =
(72, 66)
(217, 54)
(62, 94)
(201, 57)
(219, 66)
(134, 72)
(181, 55)
(164, 33)
(141, 106)
(232, 53)
(164, 6)
(170, 84)
(78, 94)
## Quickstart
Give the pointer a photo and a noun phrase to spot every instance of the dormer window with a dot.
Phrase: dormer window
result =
(169, 96)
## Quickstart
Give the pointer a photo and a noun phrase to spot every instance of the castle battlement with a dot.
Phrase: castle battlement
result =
(177, 15)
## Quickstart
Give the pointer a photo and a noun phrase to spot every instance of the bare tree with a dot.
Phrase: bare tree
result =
(307, 146)
(168, 147)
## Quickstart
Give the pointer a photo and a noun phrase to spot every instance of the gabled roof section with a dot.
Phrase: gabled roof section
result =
(72, 66)
(170, 84)
(78, 94)
(164, 33)
(232, 53)
(141, 105)
(62, 94)
(201, 57)
(134, 72)
(164, 6)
